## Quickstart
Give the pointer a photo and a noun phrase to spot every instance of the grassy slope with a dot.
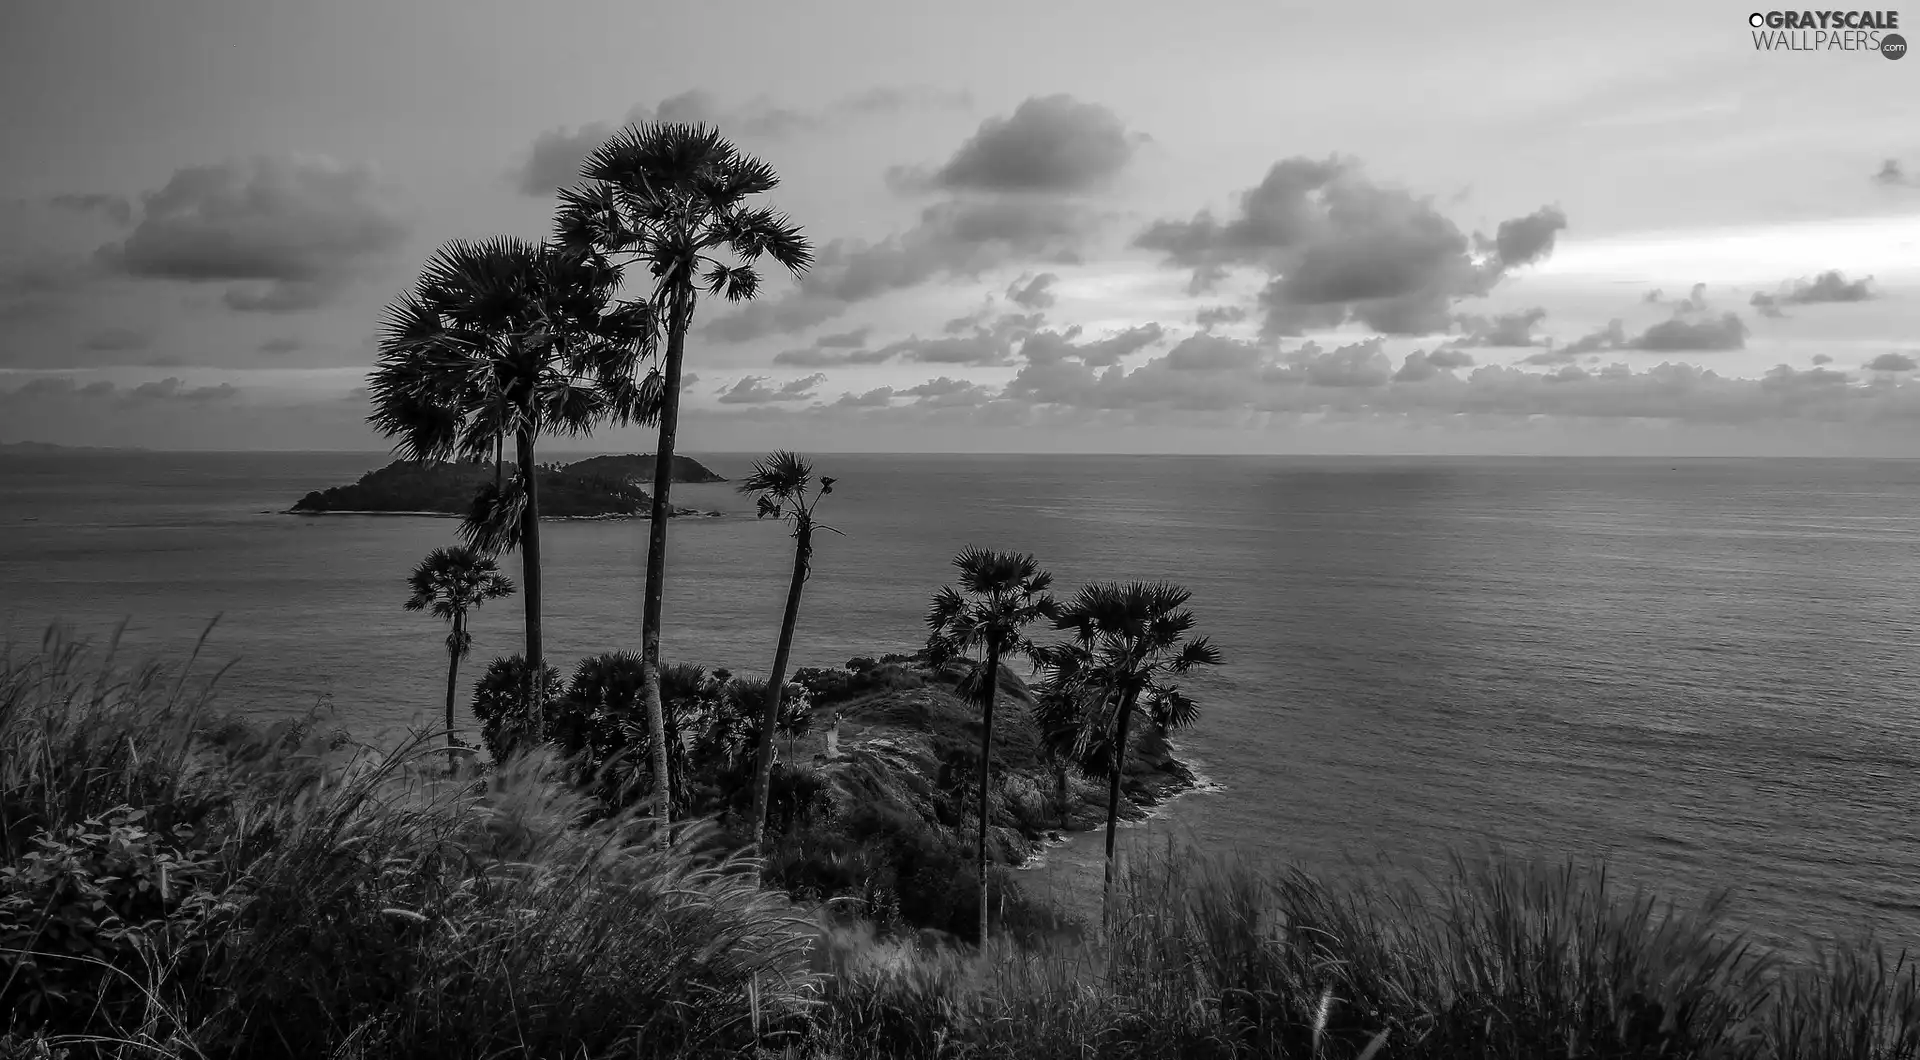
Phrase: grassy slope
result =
(173, 887)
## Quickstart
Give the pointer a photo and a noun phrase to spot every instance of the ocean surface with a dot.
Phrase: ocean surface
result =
(1703, 670)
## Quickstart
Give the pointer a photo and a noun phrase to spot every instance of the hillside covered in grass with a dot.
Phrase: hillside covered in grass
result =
(178, 885)
(446, 488)
(638, 468)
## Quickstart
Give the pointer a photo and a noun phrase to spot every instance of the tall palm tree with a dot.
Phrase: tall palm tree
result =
(505, 337)
(1127, 641)
(451, 582)
(675, 197)
(781, 481)
(1000, 594)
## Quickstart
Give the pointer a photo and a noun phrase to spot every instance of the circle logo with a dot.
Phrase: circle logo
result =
(1893, 46)
(1756, 20)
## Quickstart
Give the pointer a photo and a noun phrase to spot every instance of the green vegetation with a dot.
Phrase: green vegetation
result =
(1004, 593)
(568, 491)
(450, 583)
(780, 484)
(181, 885)
(176, 885)
(638, 469)
(677, 200)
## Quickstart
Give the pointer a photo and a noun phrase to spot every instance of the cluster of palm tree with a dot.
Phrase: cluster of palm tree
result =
(1126, 642)
(508, 338)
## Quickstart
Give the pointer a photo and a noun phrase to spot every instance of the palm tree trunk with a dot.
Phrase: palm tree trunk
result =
(1119, 754)
(770, 715)
(677, 322)
(992, 675)
(453, 674)
(530, 575)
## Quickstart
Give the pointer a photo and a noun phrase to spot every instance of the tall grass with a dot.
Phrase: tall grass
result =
(176, 884)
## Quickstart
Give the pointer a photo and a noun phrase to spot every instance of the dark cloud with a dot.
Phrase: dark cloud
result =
(1727, 332)
(1048, 346)
(1338, 247)
(114, 340)
(844, 340)
(1694, 302)
(554, 159)
(1212, 317)
(1421, 365)
(960, 238)
(1032, 291)
(1821, 358)
(1504, 330)
(949, 393)
(1049, 144)
(753, 390)
(841, 348)
(687, 380)
(298, 228)
(114, 208)
(174, 389)
(1893, 175)
(1829, 286)
(280, 347)
(1686, 330)
(879, 396)
(1891, 362)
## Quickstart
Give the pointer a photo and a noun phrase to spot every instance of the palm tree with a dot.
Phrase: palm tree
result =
(675, 197)
(502, 338)
(1004, 592)
(781, 481)
(450, 582)
(1128, 639)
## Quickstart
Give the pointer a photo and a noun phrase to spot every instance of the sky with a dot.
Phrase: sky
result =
(1496, 226)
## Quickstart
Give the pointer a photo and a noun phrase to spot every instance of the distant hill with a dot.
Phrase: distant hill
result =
(431, 487)
(638, 468)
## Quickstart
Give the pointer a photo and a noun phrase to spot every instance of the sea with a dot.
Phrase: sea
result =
(1701, 671)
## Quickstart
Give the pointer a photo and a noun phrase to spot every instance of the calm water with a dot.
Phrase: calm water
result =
(1702, 669)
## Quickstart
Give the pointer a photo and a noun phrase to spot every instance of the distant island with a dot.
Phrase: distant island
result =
(49, 447)
(600, 487)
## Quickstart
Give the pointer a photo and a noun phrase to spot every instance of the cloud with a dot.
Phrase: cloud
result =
(1504, 330)
(1049, 144)
(1338, 247)
(1421, 365)
(753, 390)
(280, 347)
(1007, 203)
(687, 379)
(114, 208)
(1033, 291)
(961, 238)
(1049, 346)
(1821, 358)
(553, 161)
(297, 228)
(1212, 317)
(879, 396)
(1891, 362)
(1727, 332)
(1829, 286)
(949, 393)
(1893, 175)
(173, 389)
(845, 340)
(841, 348)
(1694, 302)
(118, 339)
